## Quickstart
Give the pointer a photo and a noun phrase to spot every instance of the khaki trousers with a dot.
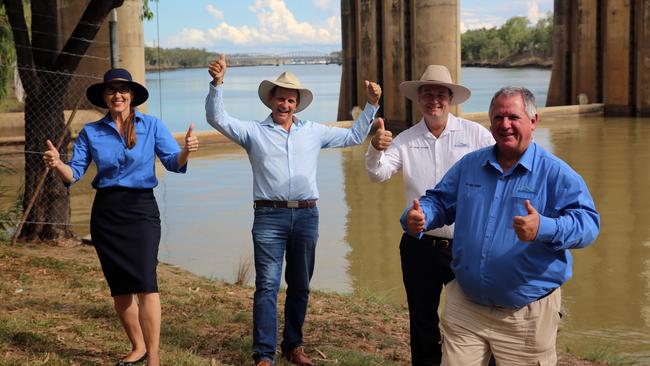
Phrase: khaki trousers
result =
(525, 336)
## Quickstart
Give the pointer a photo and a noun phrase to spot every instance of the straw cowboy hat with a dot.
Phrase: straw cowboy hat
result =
(95, 92)
(289, 81)
(435, 75)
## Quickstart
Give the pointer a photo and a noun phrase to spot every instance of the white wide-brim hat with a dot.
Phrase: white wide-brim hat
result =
(289, 81)
(435, 75)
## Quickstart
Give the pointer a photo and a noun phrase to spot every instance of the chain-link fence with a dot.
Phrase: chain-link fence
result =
(54, 108)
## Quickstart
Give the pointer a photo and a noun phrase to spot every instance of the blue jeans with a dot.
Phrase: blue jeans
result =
(291, 233)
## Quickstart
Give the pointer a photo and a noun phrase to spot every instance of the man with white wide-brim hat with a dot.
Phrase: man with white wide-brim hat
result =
(425, 152)
(283, 151)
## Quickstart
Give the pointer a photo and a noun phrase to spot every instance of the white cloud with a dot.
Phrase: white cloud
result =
(475, 20)
(323, 4)
(212, 10)
(533, 11)
(238, 35)
(276, 26)
(188, 38)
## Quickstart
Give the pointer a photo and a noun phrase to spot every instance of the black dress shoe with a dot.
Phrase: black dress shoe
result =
(135, 362)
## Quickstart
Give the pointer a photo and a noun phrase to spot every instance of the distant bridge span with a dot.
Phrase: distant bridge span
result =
(296, 58)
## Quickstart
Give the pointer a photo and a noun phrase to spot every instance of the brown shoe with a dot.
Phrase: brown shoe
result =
(264, 362)
(297, 356)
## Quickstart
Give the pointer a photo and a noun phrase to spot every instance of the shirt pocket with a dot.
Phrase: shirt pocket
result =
(519, 202)
(460, 149)
(107, 151)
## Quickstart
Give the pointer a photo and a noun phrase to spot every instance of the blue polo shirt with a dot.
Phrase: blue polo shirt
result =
(118, 166)
(491, 264)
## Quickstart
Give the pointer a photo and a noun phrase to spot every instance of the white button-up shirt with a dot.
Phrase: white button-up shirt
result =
(424, 159)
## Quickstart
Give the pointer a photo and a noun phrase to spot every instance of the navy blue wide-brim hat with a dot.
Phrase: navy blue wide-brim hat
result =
(95, 92)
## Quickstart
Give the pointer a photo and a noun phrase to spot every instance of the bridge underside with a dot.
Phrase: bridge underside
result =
(602, 55)
(601, 52)
(390, 41)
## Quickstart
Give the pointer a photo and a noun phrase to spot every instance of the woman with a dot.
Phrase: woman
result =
(125, 223)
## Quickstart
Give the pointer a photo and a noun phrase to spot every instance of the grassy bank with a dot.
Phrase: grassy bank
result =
(55, 310)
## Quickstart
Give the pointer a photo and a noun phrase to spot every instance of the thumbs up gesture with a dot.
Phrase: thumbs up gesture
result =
(191, 141)
(382, 138)
(415, 219)
(217, 69)
(51, 156)
(374, 92)
(526, 226)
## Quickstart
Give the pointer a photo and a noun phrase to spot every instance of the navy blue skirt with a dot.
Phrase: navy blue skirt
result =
(125, 230)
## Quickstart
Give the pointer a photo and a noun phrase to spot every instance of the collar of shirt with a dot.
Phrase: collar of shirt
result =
(297, 122)
(526, 161)
(107, 119)
(453, 124)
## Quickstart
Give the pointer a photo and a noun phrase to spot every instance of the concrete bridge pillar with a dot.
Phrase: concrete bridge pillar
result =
(617, 33)
(391, 41)
(642, 69)
(602, 52)
(98, 60)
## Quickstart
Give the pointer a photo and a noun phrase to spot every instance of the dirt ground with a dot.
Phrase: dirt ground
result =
(55, 309)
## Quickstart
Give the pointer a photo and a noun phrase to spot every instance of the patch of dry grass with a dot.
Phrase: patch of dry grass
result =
(55, 309)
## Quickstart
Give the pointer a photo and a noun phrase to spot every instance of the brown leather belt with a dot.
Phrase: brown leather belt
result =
(285, 204)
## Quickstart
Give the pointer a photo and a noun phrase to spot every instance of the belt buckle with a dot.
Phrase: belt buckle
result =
(293, 204)
(444, 243)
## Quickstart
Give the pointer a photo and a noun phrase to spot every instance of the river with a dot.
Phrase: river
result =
(207, 213)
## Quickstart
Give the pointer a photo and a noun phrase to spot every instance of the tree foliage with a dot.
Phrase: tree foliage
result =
(515, 37)
(7, 53)
(177, 57)
(46, 71)
(147, 13)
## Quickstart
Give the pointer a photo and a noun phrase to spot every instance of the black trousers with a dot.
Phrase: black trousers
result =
(425, 269)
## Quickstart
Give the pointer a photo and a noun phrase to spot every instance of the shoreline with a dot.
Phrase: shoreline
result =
(513, 62)
(11, 132)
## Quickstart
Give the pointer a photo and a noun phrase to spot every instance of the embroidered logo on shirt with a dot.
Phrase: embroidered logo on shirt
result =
(460, 144)
(472, 185)
(526, 189)
(418, 146)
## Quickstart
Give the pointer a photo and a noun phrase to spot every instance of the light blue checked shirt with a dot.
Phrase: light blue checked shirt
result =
(284, 163)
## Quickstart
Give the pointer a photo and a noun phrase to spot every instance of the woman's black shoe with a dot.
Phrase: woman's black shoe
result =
(127, 363)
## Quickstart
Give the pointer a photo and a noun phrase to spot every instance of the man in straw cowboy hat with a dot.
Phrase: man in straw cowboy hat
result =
(283, 151)
(425, 152)
(518, 210)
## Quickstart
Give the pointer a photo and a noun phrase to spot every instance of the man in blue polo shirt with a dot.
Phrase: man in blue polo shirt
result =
(518, 210)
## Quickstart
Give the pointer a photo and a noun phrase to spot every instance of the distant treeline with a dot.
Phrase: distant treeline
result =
(516, 38)
(177, 57)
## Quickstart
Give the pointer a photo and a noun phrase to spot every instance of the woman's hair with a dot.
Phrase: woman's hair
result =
(129, 130)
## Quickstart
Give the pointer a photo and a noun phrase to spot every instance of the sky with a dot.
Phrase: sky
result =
(280, 26)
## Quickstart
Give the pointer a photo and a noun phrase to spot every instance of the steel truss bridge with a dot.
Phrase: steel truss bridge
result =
(290, 58)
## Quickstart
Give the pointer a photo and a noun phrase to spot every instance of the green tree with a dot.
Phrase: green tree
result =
(7, 53)
(515, 37)
(177, 57)
(45, 71)
(543, 36)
